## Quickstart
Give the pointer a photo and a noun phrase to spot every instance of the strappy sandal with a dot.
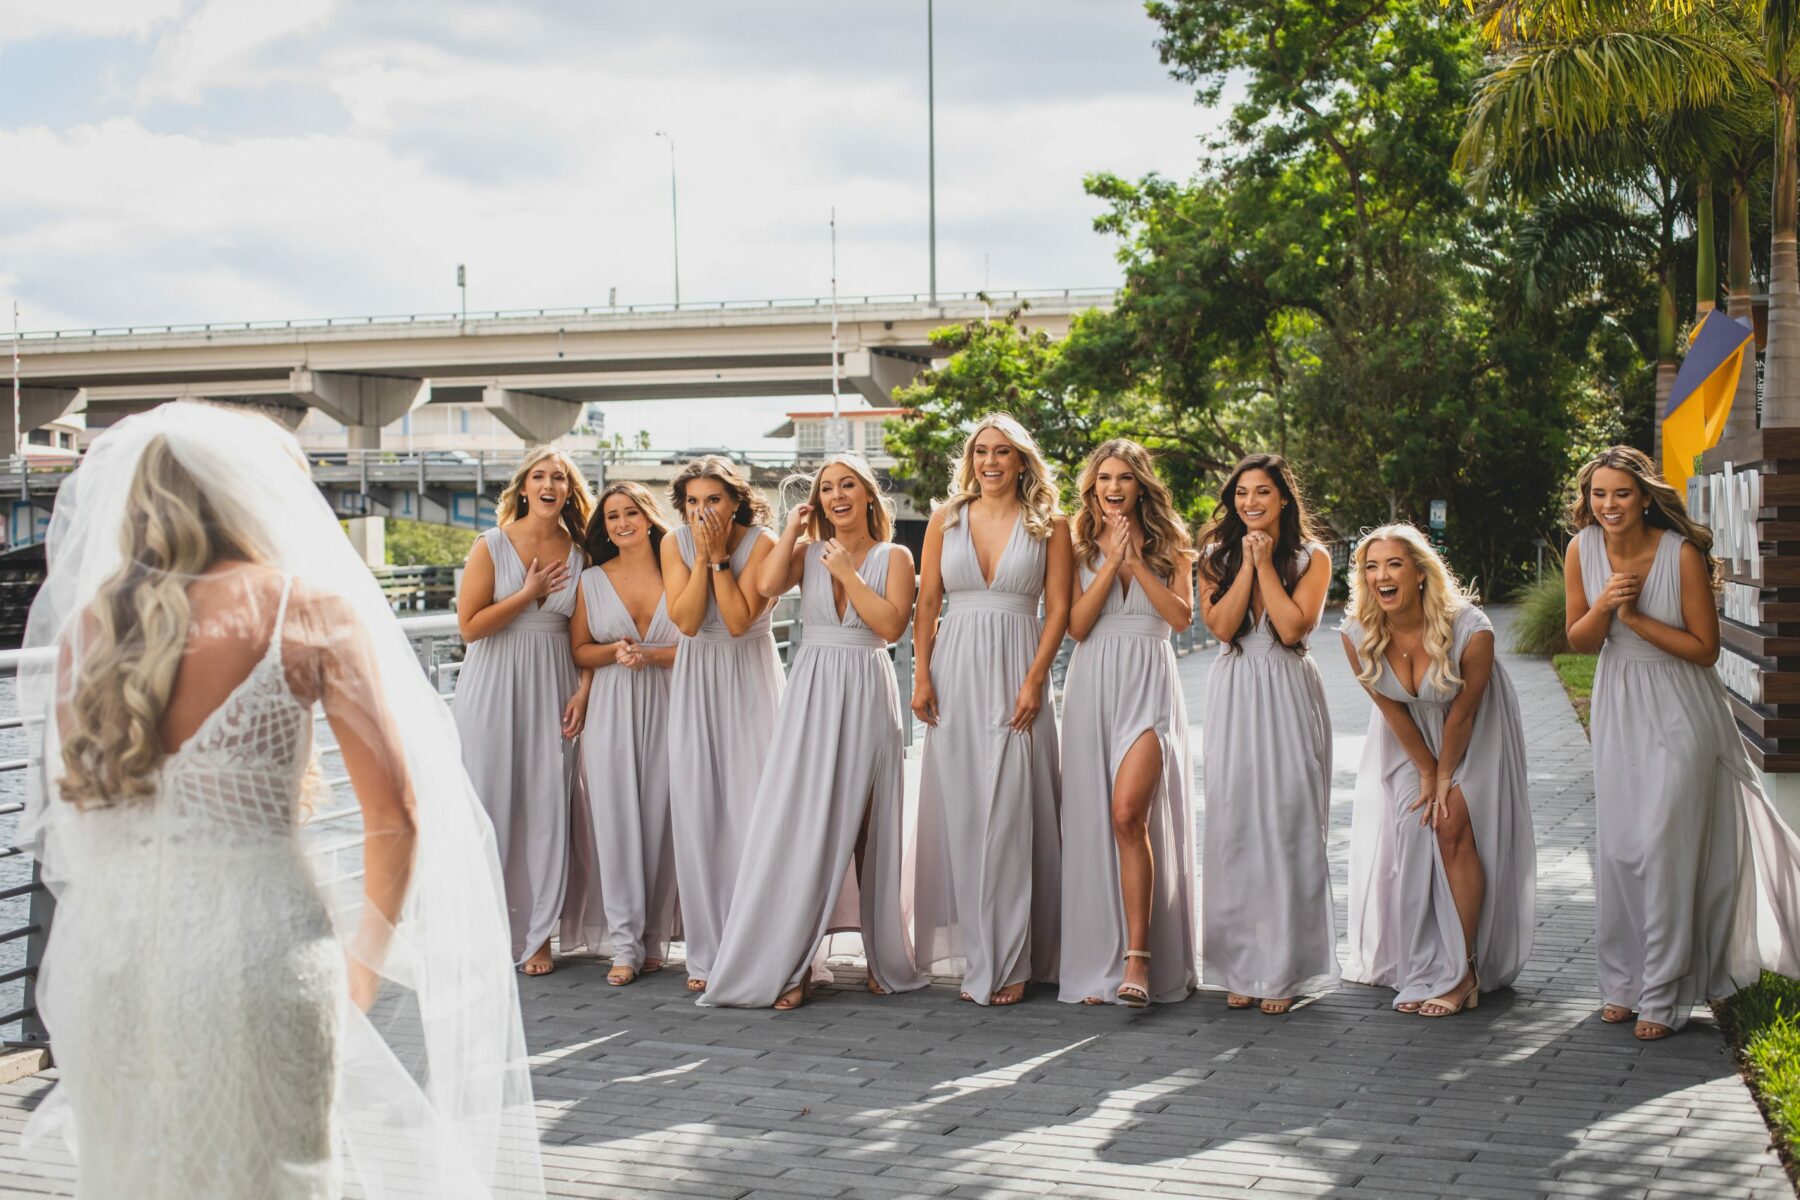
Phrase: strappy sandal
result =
(1234, 1000)
(784, 1004)
(875, 989)
(651, 966)
(1651, 1031)
(696, 985)
(1130, 994)
(1615, 1014)
(1445, 1007)
(1277, 1005)
(1001, 999)
(540, 963)
(1410, 1007)
(621, 975)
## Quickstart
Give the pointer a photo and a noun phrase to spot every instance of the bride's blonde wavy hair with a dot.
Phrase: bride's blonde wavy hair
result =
(1166, 540)
(133, 633)
(1443, 597)
(1037, 478)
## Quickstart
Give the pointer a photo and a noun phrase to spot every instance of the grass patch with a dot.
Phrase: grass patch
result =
(1577, 674)
(1762, 1023)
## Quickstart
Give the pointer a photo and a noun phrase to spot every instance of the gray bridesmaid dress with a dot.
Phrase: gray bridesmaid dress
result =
(509, 702)
(1122, 684)
(1404, 930)
(1688, 851)
(622, 876)
(836, 756)
(723, 695)
(1268, 928)
(987, 864)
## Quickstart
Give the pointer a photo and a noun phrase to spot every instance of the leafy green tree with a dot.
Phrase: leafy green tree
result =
(416, 543)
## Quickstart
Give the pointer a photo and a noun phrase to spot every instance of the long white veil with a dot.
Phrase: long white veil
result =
(434, 1093)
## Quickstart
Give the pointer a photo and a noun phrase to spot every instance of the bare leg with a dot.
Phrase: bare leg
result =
(862, 847)
(1468, 887)
(1139, 774)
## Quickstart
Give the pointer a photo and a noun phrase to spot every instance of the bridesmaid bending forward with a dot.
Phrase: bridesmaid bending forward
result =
(1269, 932)
(1443, 869)
(986, 868)
(520, 700)
(1128, 824)
(622, 884)
(1686, 842)
(823, 851)
(723, 696)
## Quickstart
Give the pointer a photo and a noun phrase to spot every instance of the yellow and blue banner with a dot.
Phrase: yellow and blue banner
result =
(1701, 399)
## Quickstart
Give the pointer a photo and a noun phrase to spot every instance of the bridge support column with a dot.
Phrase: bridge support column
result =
(537, 419)
(363, 402)
(38, 406)
(876, 375)
(368, 536)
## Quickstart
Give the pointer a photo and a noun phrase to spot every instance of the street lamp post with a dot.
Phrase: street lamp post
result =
(674, 215)
(931, 136)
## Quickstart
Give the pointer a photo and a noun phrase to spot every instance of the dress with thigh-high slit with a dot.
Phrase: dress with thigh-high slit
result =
(834, 764)
(1123, 685)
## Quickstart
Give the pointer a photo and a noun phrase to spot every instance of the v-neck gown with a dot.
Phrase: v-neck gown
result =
(1123, 684)
(722, 701)
(1404, 929)
(622, 882)
(1697, 878)
(987, 866)
(835, 758)
(509, 702)
(1266, 908)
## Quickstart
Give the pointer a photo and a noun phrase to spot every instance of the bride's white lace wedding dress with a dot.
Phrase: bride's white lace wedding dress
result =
(200, 1007)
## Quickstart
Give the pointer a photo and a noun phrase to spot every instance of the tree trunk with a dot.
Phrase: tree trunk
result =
(1781, 371)
(1706, 265)
(1666, 367)
(1737, 305)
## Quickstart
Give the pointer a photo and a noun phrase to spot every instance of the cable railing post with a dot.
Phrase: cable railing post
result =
(39, 915)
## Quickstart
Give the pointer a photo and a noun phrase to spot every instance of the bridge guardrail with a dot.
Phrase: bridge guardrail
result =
(439, 649)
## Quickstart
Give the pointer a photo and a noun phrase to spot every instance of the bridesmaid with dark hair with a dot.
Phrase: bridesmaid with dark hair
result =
(724, 693)
(622, 880)
(823, 853)
(1268, 934)
(1686, 843)
(1128, 783)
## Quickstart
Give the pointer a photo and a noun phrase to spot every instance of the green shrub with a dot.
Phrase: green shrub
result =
(1538, 625)
(1762, 1023)
(418, 544)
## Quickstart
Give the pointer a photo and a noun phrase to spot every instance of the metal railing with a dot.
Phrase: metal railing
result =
(697, 307)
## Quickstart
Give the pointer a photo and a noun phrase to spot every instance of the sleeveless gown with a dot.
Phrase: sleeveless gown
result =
(509, 703)
(987, 867)
(1269, 929)
(199, 1010)
(1123, 683)
(1688, 850)
(836, 756)
(1404, 929)
(622, 873)
(722, 701)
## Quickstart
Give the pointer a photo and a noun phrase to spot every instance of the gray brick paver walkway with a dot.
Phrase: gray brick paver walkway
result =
(642, 1094)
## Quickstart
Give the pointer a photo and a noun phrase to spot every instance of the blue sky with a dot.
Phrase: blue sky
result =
(173, 161)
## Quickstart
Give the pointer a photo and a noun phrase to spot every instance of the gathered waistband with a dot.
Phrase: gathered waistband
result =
(1130, 625)
(1003, 602)
(759, 628)
(1635, 650)
(536, 620)
(840, 635)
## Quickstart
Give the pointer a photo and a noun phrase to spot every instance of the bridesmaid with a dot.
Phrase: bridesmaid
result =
(998, 547)
(723, 694)
(622, 894)
(1685, 839)
(823, 851)
(1442, 864)
(1128, 824)
(1269, 933)
(520, 700)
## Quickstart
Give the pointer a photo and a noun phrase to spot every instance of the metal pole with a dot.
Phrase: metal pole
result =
(674, 216)
(18, 434)
(462, 285)
(931, 133)
(835, 413)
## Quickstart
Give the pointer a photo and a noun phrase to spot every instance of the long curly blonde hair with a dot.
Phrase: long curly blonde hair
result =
(881, 508)
(1442, 598)
(1167, 546)
(130, 640)
(1667, 508)
(577, 510)
(1037, 478)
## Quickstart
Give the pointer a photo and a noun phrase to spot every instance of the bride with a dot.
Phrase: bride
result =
(247, 997)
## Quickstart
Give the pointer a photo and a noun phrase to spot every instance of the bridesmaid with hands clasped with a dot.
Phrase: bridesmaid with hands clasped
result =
(520, 700)
(987, 890)
(725, 689)
(1443, 868)
(622, 884)
(823, 850)
(1686, 842)
(1128, 828)
(1269, 934)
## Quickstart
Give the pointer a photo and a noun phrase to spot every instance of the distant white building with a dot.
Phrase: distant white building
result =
(867, 430)
(467, 427)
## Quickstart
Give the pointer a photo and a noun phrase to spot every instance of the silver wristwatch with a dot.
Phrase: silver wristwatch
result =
(721, 566)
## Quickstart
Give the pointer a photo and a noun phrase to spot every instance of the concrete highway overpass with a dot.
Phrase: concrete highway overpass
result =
(533, 369)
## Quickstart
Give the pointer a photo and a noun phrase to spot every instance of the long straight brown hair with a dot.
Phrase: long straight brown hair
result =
(1222, 540)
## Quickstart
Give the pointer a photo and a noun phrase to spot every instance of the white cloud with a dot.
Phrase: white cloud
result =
(28, 20)
(217, 46)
